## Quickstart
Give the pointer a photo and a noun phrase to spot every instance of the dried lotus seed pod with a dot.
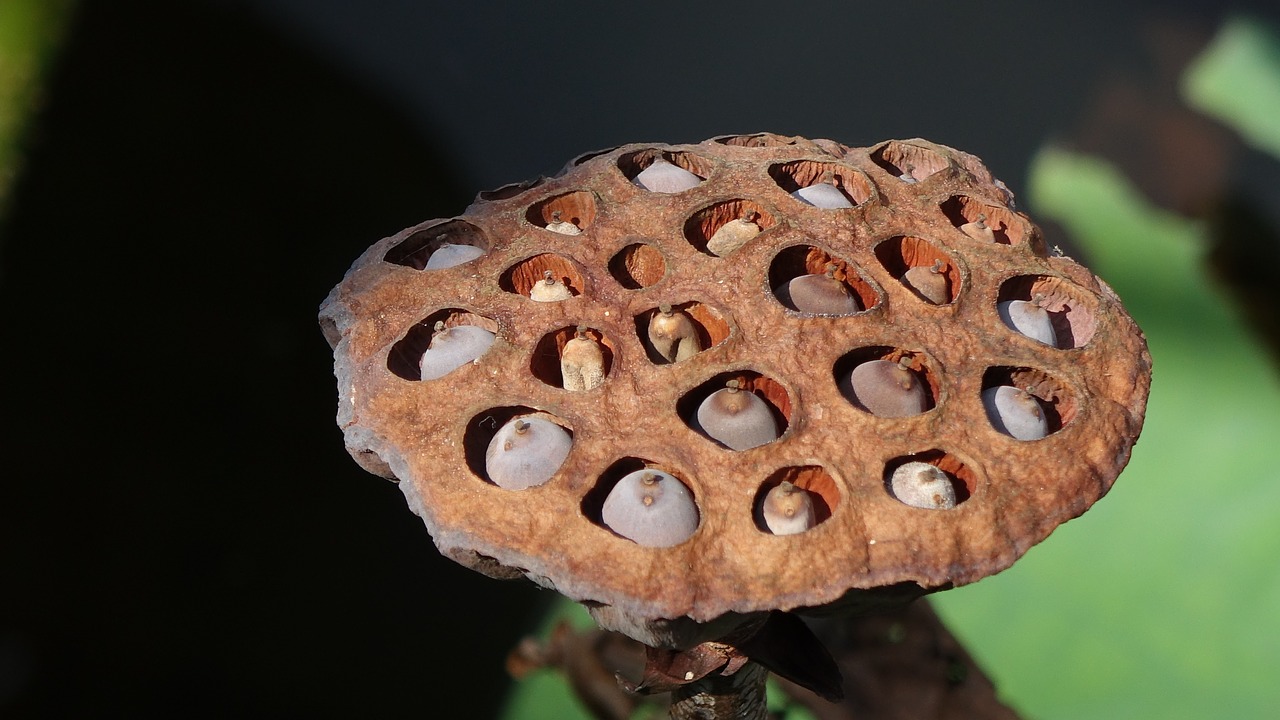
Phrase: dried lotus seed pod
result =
(922, 485)
(549, 289)
(737, 418)
(979, 230)
(449, 255)
(930, 283)
(526, 452)
(787, 510)
(823, 194)
(651, 508)
(564, 227)
(734, 234)
(819, 295)
(665, 177)
(1016, 412)
(581, 362)
(887, 389)
(673, 335)
(451, 348)
(1030, 319)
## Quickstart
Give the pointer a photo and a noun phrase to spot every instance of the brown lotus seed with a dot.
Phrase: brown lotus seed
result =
(550, 289)
(922, 485)
(581, 362)
(788, 510)
(673, 334)
(979, 230)
(734, 234)
(930, 283)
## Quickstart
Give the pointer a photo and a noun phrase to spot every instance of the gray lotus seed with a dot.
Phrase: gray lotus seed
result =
(930, 283)
(1015, 412)
(823, 194)
(1029, 318)
(665, 177)
(651, 508)
(737, 418)
(526, 452)
(887, 389)
(451, 348)
(787, 510)
(819, 295)
(922, 485)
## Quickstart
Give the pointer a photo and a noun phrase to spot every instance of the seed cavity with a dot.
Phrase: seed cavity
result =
(736, 418)
(526, 452)
(887, 389)
(581, 362)
(451, 348)
(788, 510)
(651, 508)
(922, 485)
(1015, 412)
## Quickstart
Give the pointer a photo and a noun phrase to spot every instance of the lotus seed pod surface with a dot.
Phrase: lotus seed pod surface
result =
(787, 510)
(929, 283)
(823, 195)
(737, 418)
(651, 508)
(664, 177)
(449, 255)
(887, 389)
(1014, 411)
(452, 348)
(1029, 319)
(820, 295)
(923, 485)
(526, 452)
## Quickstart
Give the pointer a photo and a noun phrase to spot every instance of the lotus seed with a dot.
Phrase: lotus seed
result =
(819, 295)
(673, 334)
(734, 234)
(450, 254)
(563, 227)
(824, 194)
(736, 418)
(979, 230)
(788, 510)
(550, 289)
(1029, 318)
(526, 452)
(888, 389)
(651, 508)
(930, 283)
(909, 174)
(581, 362)
(1016, 412)
(665, 177)
(922, 485)
(451, 348)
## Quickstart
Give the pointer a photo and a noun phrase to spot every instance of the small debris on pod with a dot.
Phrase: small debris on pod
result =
(673, 334)
(451, 348)
(979, 230)
(930, 283)
(819, 294)
(1015, 412)
(734, 234)
(909, 174)
(581, 362)
(787, 510)
(526, 452)
(651, 508)
(737, 418)
(922, 485)
(563, 227)
(888, 389)
(665, 177)
(550, 289)
(1029, 318)
(824, 194)
(450, 254)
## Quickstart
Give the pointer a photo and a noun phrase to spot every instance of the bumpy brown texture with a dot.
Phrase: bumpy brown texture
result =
(640, 249)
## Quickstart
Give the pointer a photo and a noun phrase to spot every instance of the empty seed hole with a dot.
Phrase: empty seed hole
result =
(482, 428)
(801, 260)
(894, 382)
(525, 275)
(731, 418)
(457, 241)
(637, 266)
(578, 209)
(634, 163)
(740, 215)
(405, 357)
(662, 526)
(1070, 307)
(989, 223)
(822, 490)
(962, 479)
(1056, 400)
(758, 140)
(908, 162)
(793, 176)
(575, 369)
(925, 270)
(671, 333)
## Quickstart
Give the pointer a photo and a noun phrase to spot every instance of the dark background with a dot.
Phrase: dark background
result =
(181, 530)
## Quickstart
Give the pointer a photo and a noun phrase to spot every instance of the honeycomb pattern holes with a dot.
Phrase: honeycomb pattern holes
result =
(1071, 308)
(638, 266)
(900, 254)
(482, 427)
(1056, 398)
(545, 363)
(415, 250)
(802, 173)
(799, 260)
(521, 277)
(917, 362)
(963, 478)
(1008, 228)
(771, 391)
(405, 355)
(823, 492)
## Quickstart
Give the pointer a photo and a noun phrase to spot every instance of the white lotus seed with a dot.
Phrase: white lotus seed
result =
(979, 230)
(930, 283)
(734, 234)
(922, 485)
(581, 362)
(549, 289)
(651, 508)
(526, 452)
(665, 177)
(909, 174)
(1029, 318)
(823, 194)
(737, 418)
(564, 227)
(1016, 412)
(673, 334)
(819, 295)
(788, 510)
(451, 348)
(887, 389)
(450, 254)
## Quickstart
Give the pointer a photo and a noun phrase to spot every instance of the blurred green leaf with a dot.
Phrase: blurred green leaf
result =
(1162, 600)
(1237, 81)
